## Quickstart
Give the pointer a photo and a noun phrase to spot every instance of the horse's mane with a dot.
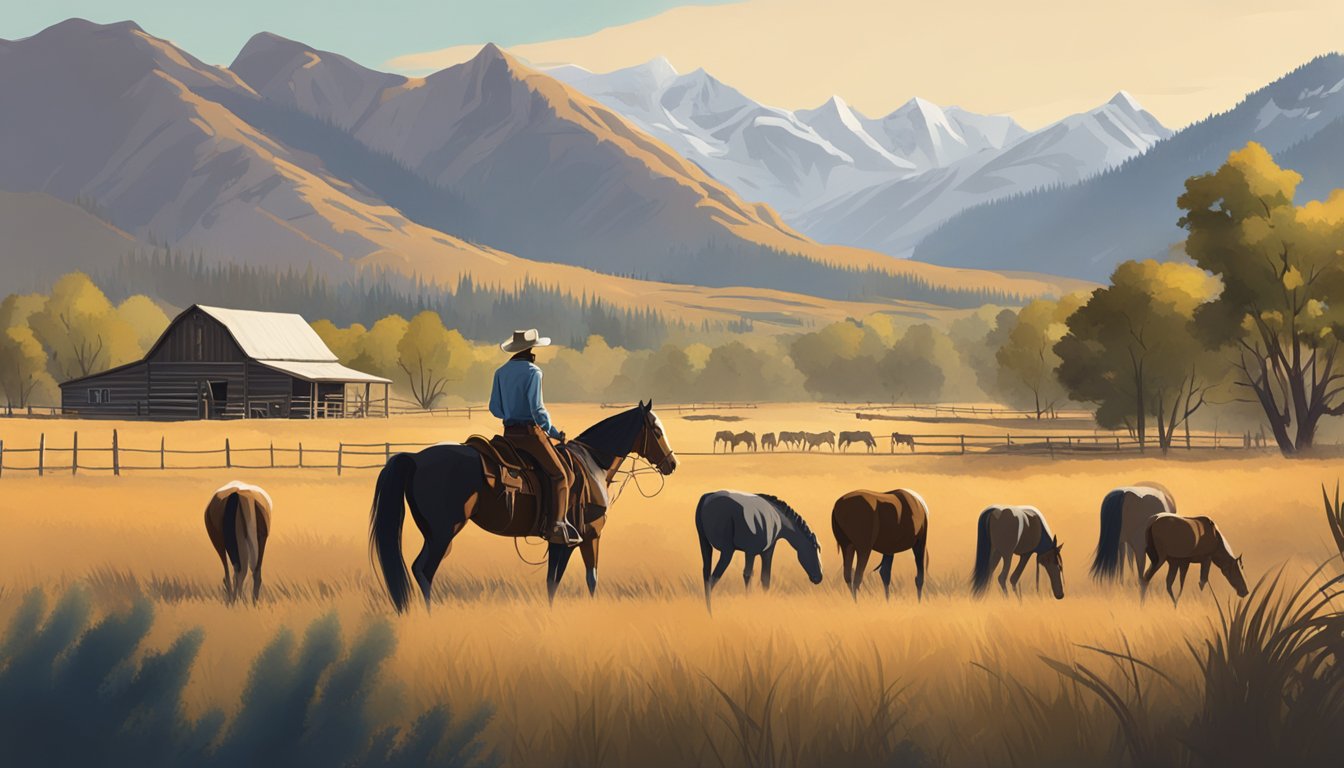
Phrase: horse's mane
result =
(614, 435)
(784, 509)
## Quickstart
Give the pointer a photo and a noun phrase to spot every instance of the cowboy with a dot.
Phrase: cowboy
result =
(515, 398)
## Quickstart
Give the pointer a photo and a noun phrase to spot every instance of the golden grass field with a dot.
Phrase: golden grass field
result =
(632, 675)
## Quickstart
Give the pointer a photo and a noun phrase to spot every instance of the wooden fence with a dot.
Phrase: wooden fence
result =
(940, 410)
(688, 407)
(1026, 444)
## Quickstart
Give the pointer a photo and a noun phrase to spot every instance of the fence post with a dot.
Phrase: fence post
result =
(272, 454)
(228, 455)
(963, 445)
(1117, 442)
(300, 455)
(387, 452)
(41, 454)
(116, 459)
(1050, 447)
(74, 454)
(340, 455)
(2, 458)
(162, 465)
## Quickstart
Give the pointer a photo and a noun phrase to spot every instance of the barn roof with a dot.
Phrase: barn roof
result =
(323, 371)
(272, 335)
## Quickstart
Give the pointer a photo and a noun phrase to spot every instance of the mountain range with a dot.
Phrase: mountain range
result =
(293, 156)
(841, 177)
(1130, 212)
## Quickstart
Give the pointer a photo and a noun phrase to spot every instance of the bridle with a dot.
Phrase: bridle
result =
(635, 456)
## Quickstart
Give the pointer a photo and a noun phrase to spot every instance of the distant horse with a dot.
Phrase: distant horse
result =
(746, 438)
(729, 521)
(238, 520)
(768, 442)
(865, 522)
(446, 486)
(724, 436)
(816, 439)
(1125, 513)
(858, 437)
(791, 439)
(1002, 532)
(1179, 541)
(899, 439)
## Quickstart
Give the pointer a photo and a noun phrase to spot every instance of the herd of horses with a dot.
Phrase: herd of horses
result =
(806, 441)
(445, 488)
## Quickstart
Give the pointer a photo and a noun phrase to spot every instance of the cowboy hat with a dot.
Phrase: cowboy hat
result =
(525, 340)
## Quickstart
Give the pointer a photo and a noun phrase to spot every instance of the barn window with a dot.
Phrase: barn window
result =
(100, 395)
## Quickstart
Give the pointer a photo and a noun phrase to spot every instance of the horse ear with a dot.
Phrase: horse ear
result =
(641, 403)
(1058, 547)
(649, 407)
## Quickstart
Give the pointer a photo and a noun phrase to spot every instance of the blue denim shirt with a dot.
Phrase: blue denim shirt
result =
(515, 396)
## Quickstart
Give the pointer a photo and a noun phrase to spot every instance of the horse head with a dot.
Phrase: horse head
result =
(1053, 562)
(651, 442)
(1232, 567)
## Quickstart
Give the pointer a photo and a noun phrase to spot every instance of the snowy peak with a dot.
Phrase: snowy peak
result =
(1123, 100)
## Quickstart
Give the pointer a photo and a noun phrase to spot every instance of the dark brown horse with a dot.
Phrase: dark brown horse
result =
(1177, 542)
(865, 522)
(238, 521)
(445, 486)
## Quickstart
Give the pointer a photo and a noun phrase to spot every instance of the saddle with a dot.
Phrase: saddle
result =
(514, 472)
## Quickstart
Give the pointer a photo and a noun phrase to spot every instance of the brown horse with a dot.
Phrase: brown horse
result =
(865, 522)
(238, 520)
(768, 442)
(863, 438)
(724, 436)
(1179, 541)
(747, 438)
(899, 439)
(446, 486)
(791, 439)
(817, 439)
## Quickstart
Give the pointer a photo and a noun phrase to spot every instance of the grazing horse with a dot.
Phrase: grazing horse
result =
(753, 523)
(816, 439)
(1179, 541)
(1125, 514)
(445, 486)
(724, 436)
(865, 522)
(858, 437)
(768, 442)
(899, 439)
(238, 520)
(1002, 532)
(748, 438)
(791, 439)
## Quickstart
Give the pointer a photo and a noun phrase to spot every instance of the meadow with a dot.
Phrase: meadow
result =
(642, 674)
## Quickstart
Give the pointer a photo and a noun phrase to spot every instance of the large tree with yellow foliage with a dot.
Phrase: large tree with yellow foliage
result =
(1282, 303)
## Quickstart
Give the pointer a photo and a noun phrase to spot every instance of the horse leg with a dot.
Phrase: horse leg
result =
(557, 559)
(1003, 574)
(256, 571)
(846, 553)
(228, 585)
(1147, 575)
(725, 557)
(238, 575)
(767, 557)
(1017, 573)
(920, 560)
(588, 550)
(427, 562)
(860, 566)
(746, 573)
(1204, 574)
(1173, 570)
(884, 570)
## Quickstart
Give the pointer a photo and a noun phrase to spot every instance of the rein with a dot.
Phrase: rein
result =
(634, 473)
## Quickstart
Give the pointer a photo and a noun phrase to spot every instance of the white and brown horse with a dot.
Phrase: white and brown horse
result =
(1002, 532)
(238, 521)
(1125, 514)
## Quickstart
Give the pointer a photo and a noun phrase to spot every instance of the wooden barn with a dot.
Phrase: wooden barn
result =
(215, 363)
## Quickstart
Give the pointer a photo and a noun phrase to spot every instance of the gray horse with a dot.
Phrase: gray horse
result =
(753, 523)
(1004, 531)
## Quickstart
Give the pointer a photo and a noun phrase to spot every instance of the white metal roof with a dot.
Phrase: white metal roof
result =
(266, 336)
(323, 371)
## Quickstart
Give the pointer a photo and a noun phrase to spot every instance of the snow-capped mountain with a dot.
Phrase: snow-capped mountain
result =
(1085, 229)
(840, 176)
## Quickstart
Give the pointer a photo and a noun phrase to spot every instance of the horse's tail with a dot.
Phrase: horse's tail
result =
(231, 531)
(840, 538)
(386, 517)
(1106, 560)
(980, 574)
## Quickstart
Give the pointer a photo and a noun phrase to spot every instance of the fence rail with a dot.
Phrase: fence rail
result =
(939, 410)
(116, 458)
(685, 407)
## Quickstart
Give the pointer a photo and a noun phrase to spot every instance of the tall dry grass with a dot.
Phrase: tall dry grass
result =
(800, 676)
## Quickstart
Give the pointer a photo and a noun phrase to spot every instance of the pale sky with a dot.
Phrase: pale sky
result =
(1036, 60)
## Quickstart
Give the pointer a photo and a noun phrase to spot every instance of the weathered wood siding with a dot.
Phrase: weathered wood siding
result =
(126, 388)
(197, 338)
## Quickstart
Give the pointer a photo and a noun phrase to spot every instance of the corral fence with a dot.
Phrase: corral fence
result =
(397, 407)
(941, 411)
(116, 457)
(902, 443)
